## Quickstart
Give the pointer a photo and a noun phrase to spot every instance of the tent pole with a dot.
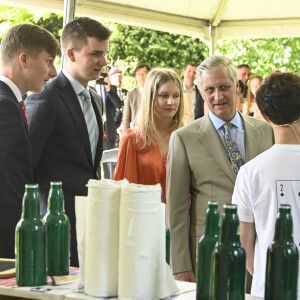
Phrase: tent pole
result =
(69, 10)
(212, 42)
(69, 15)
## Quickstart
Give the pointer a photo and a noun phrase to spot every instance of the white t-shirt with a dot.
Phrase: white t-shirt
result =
(270, 179)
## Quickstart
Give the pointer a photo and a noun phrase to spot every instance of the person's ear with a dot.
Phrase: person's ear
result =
(70, 54)
(23, 57)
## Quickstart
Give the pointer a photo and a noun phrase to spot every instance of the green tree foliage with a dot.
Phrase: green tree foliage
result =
(155, 48)
(10, 16)
(132, 45)
(264, 55)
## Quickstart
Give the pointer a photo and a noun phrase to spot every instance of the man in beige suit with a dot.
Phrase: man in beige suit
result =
(133, 99)
(199, 166)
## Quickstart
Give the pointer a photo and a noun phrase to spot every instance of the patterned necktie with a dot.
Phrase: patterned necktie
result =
(234, 154)
(90, 120)
(23, 107)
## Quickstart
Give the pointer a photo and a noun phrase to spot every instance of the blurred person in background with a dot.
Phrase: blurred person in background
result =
(250, 107)
(133, 100)
(191, 91)
(243, 73)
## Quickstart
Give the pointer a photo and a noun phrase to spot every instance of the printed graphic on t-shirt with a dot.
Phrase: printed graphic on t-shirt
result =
(288, 192)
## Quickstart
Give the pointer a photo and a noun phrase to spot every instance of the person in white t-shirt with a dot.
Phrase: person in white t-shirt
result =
(271, 178)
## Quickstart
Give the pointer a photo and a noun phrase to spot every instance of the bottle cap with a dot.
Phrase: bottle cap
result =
(56, 183)
(230, 206)
(284, 206)
(32, 186)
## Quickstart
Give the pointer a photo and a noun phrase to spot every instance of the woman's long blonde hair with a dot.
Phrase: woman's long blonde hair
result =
(147, 128)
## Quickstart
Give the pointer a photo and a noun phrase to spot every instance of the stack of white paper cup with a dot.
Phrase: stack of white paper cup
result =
(143, 271)
(102, 238)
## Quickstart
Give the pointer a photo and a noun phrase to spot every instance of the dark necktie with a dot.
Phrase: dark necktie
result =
(23, 107)
(234, 154)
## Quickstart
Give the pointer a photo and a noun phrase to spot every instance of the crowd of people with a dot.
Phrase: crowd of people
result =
(209, 141)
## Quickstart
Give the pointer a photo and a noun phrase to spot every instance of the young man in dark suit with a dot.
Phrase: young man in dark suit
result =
(65, 124)
(27, 55)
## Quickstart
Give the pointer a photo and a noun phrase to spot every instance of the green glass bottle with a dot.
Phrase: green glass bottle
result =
(31, 241)
(229, 260)
(168, 242)
(205, 247)
(282, 260)
(58, 232)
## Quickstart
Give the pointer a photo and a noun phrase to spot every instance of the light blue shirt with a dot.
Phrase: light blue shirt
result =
(237, 131)
(78, 88)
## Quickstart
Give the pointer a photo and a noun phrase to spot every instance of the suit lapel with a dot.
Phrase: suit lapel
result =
(70, 99)
(252, 137)
(211, 141)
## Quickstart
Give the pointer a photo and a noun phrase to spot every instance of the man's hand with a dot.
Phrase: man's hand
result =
(185, 276)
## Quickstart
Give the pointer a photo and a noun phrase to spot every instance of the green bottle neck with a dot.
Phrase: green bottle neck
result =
(56, 199)
(31, 203)
(284, 227)
(230, 228)
(212, 222)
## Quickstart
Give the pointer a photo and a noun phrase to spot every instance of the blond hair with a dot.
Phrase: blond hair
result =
(147, 127)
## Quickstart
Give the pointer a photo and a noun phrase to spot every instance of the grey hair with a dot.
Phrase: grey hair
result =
(213, 63)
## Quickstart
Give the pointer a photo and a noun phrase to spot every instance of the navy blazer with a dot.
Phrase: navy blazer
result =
(60, 144)
(15, 167)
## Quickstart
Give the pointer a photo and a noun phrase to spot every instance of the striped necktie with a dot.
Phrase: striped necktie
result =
(23, 107)
(234, 154)
(90, 120)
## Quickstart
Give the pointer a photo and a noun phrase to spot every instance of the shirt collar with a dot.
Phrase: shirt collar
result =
(218, 123)
(13, 87)
(185, 89)
(77, 86)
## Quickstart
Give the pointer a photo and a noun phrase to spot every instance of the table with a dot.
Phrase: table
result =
(66, 288)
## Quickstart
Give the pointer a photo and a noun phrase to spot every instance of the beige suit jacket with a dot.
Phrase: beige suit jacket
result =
(198, 165)
(131, 108)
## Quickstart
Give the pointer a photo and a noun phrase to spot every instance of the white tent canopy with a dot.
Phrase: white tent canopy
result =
(210, 20)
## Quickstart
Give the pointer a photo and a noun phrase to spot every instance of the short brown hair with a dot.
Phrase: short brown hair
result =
(27, 37)
(77, 31)
(278, 97)
(190, 64)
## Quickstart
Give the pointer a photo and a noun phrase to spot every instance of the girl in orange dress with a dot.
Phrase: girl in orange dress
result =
(143, 149)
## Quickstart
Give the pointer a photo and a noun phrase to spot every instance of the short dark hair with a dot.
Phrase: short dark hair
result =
(27, 37)
(190, 64)
(141, 66)
(243, 66)
(278, 98)
(78, 30)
